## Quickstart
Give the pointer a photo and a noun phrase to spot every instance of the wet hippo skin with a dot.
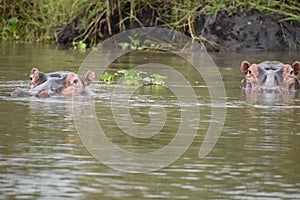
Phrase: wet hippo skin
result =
(63, 83)
(270, 77)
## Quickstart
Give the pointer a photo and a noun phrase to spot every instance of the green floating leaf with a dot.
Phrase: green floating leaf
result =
(124, 45)
(135, 77)
(158, 79)
(81, 45)
(106, 77)
(135, 42)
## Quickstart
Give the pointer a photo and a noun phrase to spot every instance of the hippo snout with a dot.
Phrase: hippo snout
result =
(270, 79)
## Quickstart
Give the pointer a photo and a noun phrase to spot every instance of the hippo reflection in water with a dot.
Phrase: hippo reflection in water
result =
(270, 77)
(56, 83)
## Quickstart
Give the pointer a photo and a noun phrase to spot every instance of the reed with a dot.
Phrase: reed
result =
(42, 20)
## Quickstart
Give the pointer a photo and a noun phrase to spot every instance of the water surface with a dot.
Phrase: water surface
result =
(42, 156)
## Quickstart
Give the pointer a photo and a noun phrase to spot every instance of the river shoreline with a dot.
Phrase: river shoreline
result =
(220, 26)
(226, 32)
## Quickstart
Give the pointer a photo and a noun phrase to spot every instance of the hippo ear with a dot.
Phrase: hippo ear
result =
(244, 66)
(89, 77)
(34, 77)
(33, 70)
(296, 66)
(34, 74)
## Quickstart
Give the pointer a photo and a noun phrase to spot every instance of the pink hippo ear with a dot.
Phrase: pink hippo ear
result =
(296, 67)
(34, 77)
(33, 70)
(89, 77)
(245, 66)
(34, 73)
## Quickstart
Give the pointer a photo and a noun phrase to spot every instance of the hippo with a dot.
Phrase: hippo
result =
(63, 83)
(270, 77)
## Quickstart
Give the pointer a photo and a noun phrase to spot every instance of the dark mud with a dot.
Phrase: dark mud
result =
(237, 32)
(249, 31)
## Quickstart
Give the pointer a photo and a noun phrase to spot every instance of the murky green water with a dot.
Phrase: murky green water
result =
(43, 157)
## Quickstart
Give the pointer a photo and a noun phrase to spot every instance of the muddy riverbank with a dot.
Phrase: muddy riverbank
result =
(251, 30)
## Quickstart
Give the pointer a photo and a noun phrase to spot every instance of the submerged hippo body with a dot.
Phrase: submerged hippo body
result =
(56, 83)
(270, 77)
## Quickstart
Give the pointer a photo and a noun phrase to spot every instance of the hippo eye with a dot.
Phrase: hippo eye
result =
(75, 81)
(249, 72)
(292, 72)
(31, 78)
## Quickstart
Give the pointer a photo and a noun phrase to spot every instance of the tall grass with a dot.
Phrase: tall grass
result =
(38, 19)
(42, 20)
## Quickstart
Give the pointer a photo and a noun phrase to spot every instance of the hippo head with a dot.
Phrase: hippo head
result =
(270, 76)
(75, 84)
(56, 83)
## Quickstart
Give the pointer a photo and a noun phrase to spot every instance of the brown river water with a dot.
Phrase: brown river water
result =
(44, 154)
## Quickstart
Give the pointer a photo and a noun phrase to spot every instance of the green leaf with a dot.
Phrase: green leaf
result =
(158, 79)
(81, 45)
(124, 45)
(13, 21)
(106, 77)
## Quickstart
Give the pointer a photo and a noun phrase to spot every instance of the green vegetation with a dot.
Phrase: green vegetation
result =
(43, 20)
(135, 44)
(10, 30)
(79, 45)
(108, 78)
(133, 77)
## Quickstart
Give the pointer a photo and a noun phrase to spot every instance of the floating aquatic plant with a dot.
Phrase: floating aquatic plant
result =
(79, 45)
(133, 77)
(133, 44)
(158, 79)
(108, 78)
